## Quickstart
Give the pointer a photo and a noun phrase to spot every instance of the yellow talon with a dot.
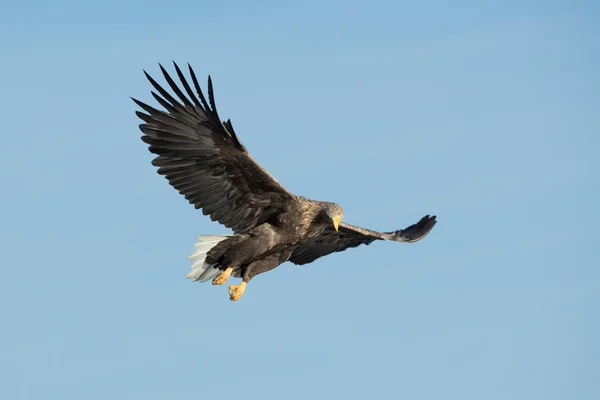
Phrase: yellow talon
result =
(223, 276)
(236, 291)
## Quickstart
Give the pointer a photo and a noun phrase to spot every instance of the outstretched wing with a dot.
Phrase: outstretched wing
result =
(349, 236)
(204, 159)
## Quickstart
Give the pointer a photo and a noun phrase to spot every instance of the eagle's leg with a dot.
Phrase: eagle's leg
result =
(223, 276)
(255, 268)
(236, 291)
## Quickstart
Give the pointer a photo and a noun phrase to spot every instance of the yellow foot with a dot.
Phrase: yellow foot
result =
(222, 277)
(236, 291)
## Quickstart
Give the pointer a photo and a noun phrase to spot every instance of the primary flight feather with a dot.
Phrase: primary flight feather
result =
(203, 158)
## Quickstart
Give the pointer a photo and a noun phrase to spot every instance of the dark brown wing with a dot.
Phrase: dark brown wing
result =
(204, 159)
(349, 236)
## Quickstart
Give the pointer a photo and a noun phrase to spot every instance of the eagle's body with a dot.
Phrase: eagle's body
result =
(205, 161)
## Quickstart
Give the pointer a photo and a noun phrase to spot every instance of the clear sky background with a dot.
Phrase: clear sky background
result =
(484, 113)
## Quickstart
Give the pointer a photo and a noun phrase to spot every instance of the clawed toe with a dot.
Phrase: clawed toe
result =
(222, 277)
(236, 291)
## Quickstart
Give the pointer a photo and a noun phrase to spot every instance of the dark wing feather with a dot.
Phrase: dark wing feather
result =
(204, 159)
(350, 236)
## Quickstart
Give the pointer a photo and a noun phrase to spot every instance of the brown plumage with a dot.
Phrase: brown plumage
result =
(205, 161)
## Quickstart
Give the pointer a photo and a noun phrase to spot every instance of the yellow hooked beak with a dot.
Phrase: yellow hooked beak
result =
(336, 222)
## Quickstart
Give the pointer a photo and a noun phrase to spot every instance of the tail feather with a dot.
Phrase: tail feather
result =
(201, 271)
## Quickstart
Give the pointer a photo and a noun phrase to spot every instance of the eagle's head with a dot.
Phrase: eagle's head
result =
(333, 213)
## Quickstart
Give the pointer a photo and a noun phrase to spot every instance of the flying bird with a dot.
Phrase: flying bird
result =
(204, 159)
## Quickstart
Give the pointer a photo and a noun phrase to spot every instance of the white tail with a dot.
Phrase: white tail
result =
(202, 271)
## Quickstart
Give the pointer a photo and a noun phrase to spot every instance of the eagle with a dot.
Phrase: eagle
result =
(204, 159)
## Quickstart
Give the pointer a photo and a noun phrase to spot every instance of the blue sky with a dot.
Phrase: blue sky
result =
(479, 112)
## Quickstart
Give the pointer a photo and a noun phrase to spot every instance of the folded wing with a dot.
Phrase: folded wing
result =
(350, 236)
(204, 159)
